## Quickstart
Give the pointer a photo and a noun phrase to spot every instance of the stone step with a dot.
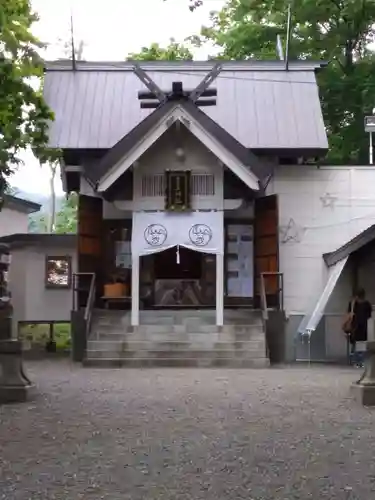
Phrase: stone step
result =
(225, 336)
(179, 337)
(175, 345)
(189, 328)
(175, 330)
(171, 317)
(190, 354)
(171, 322)
(176, 363)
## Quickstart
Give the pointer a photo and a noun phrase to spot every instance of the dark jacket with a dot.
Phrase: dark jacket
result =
(362, 312)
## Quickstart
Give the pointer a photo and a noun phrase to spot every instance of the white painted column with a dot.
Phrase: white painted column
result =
(135, 291)
(219, 289)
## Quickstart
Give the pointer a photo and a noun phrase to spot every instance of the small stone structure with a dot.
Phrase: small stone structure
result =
(14, 385)
(364, 389)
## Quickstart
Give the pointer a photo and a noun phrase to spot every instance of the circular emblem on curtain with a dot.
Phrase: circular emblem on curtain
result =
(200, 235)
(155, 235)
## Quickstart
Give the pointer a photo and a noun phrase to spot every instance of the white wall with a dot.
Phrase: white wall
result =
(32, 301)
(12, 221)
(320, 209)
(43, 303)
(162, 156)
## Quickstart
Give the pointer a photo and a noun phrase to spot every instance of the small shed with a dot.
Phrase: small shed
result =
(349, 267)
(40, 277)
(14, 215)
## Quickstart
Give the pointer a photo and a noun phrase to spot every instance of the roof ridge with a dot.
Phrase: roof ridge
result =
(247, 65)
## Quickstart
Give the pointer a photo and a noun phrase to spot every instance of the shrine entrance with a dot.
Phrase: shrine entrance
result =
(178, 278)
(178, 273)
(178, 264)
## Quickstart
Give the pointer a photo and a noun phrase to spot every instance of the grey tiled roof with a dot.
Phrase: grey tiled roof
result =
(44, 239)
(21, 205)
(259, 103)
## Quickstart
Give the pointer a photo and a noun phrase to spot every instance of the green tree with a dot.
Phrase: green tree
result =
(338, 31)
(66, 217)
(38, 223)
(24, 115)
(174, 51)
(66, 49)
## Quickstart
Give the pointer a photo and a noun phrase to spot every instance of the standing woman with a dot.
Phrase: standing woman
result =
(360, 310)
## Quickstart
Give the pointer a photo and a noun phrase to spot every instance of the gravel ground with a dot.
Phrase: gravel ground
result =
(285, 433)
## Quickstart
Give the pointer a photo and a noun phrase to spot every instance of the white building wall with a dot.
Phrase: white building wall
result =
(12, 221)
(162, 155)
(319, 210)
(41, 303)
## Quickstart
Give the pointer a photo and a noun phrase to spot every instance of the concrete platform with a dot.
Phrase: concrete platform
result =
(363, 394)
(16, 394)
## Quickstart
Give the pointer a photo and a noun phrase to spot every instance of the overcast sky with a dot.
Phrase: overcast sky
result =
(124, 26)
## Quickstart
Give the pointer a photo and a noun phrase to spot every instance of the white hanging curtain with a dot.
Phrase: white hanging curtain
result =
(157, 231)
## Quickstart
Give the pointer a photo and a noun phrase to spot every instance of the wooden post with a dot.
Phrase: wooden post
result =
(135, 291)
(51, 332)
(219, 289)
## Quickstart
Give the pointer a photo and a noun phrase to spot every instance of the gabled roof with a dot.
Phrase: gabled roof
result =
(259, 103)
(123, 146)
(246, 165)
(20, 205)
(355, 244)
(21, 240)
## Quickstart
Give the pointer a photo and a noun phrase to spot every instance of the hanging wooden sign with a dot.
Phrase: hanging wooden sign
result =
(178, 192)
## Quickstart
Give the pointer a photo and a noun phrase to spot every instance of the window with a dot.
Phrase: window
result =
(58, 272)
(200, 185)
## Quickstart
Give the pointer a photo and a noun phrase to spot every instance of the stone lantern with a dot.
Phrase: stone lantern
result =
(14, 384)
(364, 389)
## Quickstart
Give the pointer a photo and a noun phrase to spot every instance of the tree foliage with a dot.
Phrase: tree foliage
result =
(174, 51)
(66, 217)
(338, 31)
(24, 115)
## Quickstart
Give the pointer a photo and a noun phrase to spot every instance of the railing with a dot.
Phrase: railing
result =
(78, 287)
(263, 292)
(90, 289)
(90, 304)
(263, 298)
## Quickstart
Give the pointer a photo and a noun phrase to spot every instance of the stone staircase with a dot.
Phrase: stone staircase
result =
(177, 338)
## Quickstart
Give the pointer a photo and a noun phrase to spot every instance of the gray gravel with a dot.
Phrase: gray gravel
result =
(290, 433)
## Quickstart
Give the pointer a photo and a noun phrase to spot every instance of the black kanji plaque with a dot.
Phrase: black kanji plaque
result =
(178, 192)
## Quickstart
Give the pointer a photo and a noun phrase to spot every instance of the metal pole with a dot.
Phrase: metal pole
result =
(371, 150)
(309, 332)
(74, 65)
(288, 34)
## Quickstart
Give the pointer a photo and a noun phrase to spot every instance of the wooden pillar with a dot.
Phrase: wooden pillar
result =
(135, 291)
(219, 289)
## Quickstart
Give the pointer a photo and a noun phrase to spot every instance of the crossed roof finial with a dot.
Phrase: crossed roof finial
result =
(156, 97)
